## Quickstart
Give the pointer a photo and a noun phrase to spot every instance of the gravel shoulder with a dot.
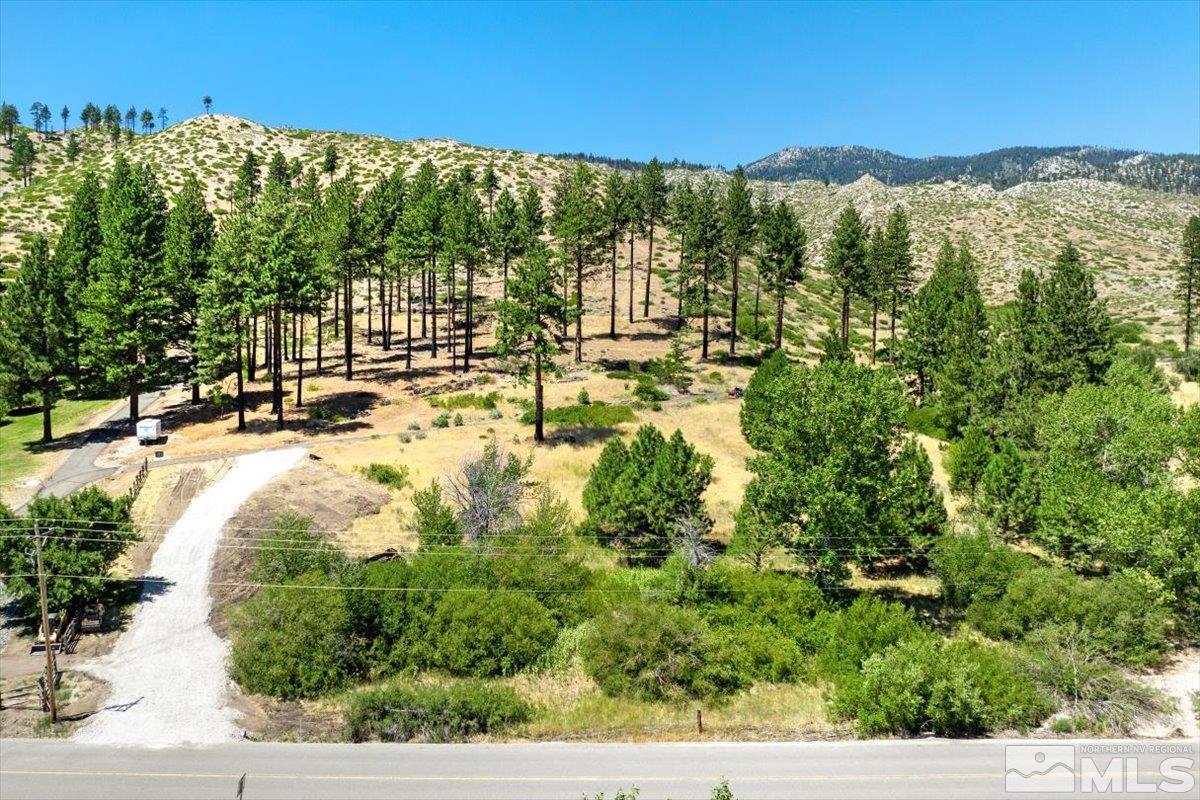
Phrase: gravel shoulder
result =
(167, 673)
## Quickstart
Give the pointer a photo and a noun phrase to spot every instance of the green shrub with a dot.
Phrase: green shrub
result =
(391, 477)
(1123, 616)
(433, 713)
(654, 651)
(950, 688)
(932, 421)
(290, 642)
(974, 565)
(597, 414)
(791, 604)
(583, 398)
(1007, 494)
(649, 392)
(490, 633)
(454, 402)
(436, 523)
(967, 458)
(442, 420)
(867, 626)
(458, 420)
(761, 652)
(291, 549)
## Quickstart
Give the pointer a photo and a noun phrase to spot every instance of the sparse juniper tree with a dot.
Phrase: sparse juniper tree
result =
(207, 101)
(652, 197)
(226, 300)
(1189, 280)
(187, 254)
(9, 119)
(781, 262)
(128, 300)
(277, 170)
(504, 234)
(35, 353)
(899, 268)
(329, 161)
(528, 319)
(65, 113)
(738, 218)
(847, 262)
(147, 120)
(576, 226)
(76, 254)
(614, 217)
(22, 157)
(72, 150)
(162, 118)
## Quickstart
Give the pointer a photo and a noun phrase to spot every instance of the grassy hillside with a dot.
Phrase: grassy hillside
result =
(1129, 235)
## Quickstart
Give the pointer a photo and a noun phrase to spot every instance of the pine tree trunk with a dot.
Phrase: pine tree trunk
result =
(348, 313)
(892, 339)
(757, 298)
(874, 327)
(195, 379)
(300, 370)
(450, 319)
(846, 317)
(612, 295)
(408, 337)
(424, 284)
(733, 304)
(578, 309)
(278, 368)
(370, 311)
(538, 434)
(320, 331)
(469, 335)
(504, 289)
(779, 318)
(252, 349)
(631, 275)
(432, 307)
(704, 341)
(133, 391)
(47, 406)
(241, 389)
(649, 270)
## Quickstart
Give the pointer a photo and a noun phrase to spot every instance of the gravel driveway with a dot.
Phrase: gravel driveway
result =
(167, 673)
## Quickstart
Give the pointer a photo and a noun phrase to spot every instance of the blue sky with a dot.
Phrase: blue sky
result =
(718, 83)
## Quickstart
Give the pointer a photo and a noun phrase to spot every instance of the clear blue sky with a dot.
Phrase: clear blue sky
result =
(718, 83)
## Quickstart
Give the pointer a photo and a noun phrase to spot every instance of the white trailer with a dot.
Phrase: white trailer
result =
(149, 430)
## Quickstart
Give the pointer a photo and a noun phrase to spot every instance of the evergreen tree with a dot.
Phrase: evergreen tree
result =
(898, 268)
(227, 299)
(75, 257)
(614, 218)
(147, 120)
(247, 186)
(423, 223)
(916, 510)
(781, 263)
(504, 240)
(382, 206)
(207, 101)
(652, 196)
(187, 252)
(162, 118)
(72, 149)
(35, 320)
(527, 320)
(490, 183)
(966, 341)
(340, 254)
(21, 159)
(128, 300)
(465, 241)
(1075, 327)
(738, 218)
(533, 223)
(847, 262)
(1189, 280)
(875, 286)
(705, 243)
(681, 209)
(10, 117)
(576, 225)
(277, 169)
(65, 113)
(329, 161)
(1007, 494)
(130, 117)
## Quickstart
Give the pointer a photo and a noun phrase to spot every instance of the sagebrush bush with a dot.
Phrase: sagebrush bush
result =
(1123, 615)
(433, 713)
(485, 634)
(950, 688)
(386, 474)
(291, 643)
(653, 651)
(867, 626)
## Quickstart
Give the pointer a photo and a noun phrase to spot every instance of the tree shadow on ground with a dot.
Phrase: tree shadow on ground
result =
(579, 437)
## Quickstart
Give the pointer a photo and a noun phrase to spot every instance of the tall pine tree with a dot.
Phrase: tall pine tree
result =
(187, 250)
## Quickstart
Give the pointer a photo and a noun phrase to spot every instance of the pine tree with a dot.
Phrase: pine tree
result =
(162, 118)
(614, 217)
(226, 302)
(923, 348)
(681, 209)
(490, 183)
(340, 253)
(187, 252)
(652, 196)
(128, 302)
(382, 206)
(72, 149)
(1189, 280)
(504, 240)
(576, 225)
(466, 238)
(75, 257)
(277, 169)
(65, 113)
(738, 218)
(423, 223)
(34, 323)
(899, 269)
(782, 262)
(1075, 326)
(147, 120)
(875, 285)
(965, 342)
(247, 186)
(847, 262)
(329, 161)
(22, 157)
(207, 101)
(527, 320)
(9, 119)
(705, 240)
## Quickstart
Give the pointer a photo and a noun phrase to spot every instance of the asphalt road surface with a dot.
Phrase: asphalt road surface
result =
(925, 769)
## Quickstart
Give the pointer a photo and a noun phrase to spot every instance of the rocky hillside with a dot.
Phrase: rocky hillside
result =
(998, 168)
(1129, 235)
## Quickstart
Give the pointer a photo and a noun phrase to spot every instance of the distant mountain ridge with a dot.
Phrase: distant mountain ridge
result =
(1002, 168)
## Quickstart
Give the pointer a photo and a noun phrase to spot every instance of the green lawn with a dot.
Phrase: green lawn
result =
(21, 431)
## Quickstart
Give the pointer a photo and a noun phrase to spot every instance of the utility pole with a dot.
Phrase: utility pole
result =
(51, 672)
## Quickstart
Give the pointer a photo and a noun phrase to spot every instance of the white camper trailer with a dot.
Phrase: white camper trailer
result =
(149, 430)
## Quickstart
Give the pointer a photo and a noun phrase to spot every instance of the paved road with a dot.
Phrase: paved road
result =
(924, 769)
(79, 469)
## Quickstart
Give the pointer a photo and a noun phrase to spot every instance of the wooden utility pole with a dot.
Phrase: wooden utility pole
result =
(50, 667)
